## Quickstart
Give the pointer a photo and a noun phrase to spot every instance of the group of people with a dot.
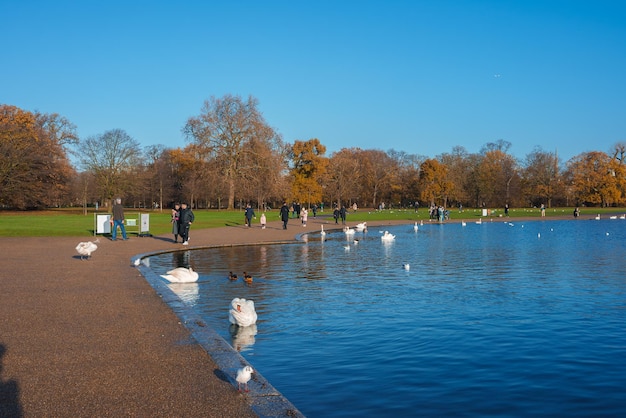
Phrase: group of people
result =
(182, 218)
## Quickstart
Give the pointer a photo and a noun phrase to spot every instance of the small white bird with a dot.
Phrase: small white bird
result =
(463, 223)
(387, 236)
(361, 226)
(597, 218)
(181, 275)
(322, 232)
(415, 227)
(406, 266)
(86, 248)
(242, 312)
(480, 221)
(243, 377)
(348, 231)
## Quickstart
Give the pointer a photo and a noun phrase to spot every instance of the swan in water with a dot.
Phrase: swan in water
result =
(348, 231)
(322, 232)
(597, 218)
(406, 266)
(361, 226)
(415, 227)
(181, 275)
(86, 248)
(242, 312)
(480, 221)
(387, 236)
(243, 377)
(463, 223)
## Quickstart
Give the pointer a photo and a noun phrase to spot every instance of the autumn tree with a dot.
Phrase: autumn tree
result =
(379, 175)
(459, 165)
(34, 169)
(497, 174)
(226, 127)
(111, 157)
(344, 176)
(308, 169)
(595, 178)
(541, 177)
(434, 183)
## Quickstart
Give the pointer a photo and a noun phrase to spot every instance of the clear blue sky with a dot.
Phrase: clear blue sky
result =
(416, 76)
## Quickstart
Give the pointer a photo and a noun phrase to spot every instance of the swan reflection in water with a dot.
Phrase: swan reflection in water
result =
(242, 338)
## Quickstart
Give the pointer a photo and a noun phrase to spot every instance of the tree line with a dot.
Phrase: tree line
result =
(233, 157)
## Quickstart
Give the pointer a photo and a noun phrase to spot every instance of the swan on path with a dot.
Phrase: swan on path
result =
(86, 248)
(242, 312)
(387, 236)
(181, 275)
(243, 377)
(361, 226)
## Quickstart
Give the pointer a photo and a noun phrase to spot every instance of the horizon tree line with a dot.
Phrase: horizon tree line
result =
(233, 157)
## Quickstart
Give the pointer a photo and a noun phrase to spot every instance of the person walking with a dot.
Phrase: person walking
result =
(342, 214)
(263, 220)
(249, 215)
(186, 219)
(118, 220)
(284, 214)
(304, 215)
(175, 218)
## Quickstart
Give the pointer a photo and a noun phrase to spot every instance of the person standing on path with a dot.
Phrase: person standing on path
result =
(342, 214)
(186, 219)
(284, 214)
(175, 219)
(118, 220)
(249, 215)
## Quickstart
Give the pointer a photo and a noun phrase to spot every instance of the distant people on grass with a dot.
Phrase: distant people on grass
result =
(576, 212)
(543, 210)
(249, 215)
(186, 219)
(284, 214)
(175, 218)
(118, 220)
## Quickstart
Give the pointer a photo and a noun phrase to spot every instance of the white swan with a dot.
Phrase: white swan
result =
(597, 218)
(348, 231)
(86, 248)
(181, 275)
(387, 236)
(406, 266)
(361, 226)
(480, 221)
(243, 377)
(242, 312)
(622, 217)
(463, 223)
(415, 227)
(322, 232)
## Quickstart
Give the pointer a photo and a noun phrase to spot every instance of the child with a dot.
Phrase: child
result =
(263, 220)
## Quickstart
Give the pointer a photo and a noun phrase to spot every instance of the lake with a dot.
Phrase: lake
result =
(496, 319)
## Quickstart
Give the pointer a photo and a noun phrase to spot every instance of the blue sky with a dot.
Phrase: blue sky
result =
(416, 76)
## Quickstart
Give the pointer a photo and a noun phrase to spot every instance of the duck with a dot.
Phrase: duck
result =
(247, 278)
(86, 248)
(387, 236)
(242, 312)
(243, 377)
(181, 275)
(232, 276)
(361, 226)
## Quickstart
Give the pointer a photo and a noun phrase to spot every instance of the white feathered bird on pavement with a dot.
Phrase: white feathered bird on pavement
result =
(86, 248)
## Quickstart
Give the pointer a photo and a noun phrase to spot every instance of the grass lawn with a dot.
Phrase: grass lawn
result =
(73, 222)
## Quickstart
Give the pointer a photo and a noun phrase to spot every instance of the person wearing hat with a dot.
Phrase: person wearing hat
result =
(184, 222)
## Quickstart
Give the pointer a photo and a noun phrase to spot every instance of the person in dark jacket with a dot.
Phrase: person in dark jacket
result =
(249, 215)
(184, 222)
(118, 220)
(284, 214)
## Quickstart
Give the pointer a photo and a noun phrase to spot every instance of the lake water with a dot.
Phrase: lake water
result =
(495, 319)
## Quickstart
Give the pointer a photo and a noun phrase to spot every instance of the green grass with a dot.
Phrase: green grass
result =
(72, 222)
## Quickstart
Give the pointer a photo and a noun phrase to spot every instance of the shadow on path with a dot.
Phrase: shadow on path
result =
(9, 394)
